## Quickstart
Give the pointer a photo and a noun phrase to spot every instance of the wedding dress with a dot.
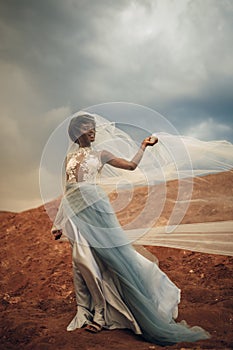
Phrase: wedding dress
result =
(115, 285)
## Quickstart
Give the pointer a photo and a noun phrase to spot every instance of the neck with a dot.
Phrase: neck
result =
(84, 144)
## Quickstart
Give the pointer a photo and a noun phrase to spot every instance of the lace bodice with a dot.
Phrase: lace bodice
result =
(83, 165)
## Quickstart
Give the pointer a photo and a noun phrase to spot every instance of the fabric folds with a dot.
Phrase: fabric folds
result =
(136, 293)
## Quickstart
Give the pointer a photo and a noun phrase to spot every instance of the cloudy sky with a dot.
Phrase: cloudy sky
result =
(60, 56)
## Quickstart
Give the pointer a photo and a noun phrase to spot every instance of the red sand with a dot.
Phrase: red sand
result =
(37, 296)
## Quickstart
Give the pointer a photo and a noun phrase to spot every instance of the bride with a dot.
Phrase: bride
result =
(115, 286)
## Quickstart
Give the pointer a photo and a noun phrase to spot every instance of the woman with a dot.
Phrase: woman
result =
(115, 286)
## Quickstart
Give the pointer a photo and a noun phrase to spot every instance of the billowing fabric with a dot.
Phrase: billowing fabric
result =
(174, 157)
(98, 291)
(144, 298)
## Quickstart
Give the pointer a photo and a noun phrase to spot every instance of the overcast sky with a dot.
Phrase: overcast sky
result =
(60, 56)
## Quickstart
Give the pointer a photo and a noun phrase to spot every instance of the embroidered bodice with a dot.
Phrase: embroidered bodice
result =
(83, 165)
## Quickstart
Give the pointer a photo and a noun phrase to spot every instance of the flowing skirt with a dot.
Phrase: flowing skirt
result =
(135, 293)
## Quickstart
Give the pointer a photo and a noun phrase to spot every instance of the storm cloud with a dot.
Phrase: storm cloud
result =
(57, 57)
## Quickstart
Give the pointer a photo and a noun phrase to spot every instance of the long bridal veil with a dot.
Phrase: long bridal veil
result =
(139, 197)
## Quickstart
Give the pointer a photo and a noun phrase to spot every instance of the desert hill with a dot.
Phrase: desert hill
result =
(37, 296)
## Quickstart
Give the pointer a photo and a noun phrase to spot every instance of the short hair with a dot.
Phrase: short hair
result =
(75, 123)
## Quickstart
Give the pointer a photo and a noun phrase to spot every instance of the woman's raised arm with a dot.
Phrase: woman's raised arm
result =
(109, 158)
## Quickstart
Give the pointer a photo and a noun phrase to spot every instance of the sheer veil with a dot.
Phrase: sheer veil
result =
(181, 159)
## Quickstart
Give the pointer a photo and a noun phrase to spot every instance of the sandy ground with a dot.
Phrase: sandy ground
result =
(37, 297)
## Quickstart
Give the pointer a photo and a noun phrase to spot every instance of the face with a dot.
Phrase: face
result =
(87, 131)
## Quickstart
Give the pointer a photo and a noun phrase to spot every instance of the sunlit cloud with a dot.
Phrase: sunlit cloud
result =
(208, 130)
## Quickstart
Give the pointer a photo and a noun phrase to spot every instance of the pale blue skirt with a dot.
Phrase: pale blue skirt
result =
(148, 293)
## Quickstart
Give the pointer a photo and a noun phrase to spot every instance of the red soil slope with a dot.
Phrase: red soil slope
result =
(37, 296)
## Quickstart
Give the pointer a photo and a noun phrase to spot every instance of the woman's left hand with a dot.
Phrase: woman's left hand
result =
(150, 141)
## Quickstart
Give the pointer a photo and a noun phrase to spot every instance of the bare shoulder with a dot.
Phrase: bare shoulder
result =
(106, 156)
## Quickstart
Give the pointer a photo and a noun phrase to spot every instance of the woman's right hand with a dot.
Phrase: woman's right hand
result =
(57, 233)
